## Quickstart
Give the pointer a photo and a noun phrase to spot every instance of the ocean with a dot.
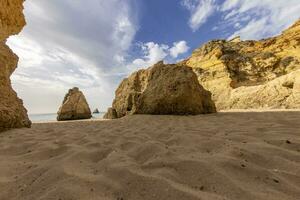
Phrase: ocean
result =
(51, 117)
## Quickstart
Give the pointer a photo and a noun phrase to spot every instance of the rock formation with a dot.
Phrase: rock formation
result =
(111, 114)
(12, 112)
(74, 106)
(96, 111)
(251, 74)
(162, 89)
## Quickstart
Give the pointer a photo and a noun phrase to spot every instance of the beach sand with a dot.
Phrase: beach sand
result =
(229, 155)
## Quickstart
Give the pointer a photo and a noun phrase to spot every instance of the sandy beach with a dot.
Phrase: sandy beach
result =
(149, 100)
(229, 155)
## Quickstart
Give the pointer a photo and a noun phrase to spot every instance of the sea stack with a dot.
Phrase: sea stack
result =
(162, 89)
(74, 106)
(12, 112)
(96, 111)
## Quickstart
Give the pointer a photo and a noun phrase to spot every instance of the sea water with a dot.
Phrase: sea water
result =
(51, 117)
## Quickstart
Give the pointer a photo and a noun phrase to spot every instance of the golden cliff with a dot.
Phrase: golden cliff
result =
(12, 112)
(251, 74)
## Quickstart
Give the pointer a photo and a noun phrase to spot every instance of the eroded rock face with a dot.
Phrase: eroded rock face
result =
(162, 89)
(282, 92)
(74, 106)
(12, 112)
(243, 74)
(111, 114)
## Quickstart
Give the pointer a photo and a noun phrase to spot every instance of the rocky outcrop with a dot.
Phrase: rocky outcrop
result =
(12, 112)
(96, 111)
(162, 89)
(282, 92)
(74, 106)
(111, 114)
(251, 74)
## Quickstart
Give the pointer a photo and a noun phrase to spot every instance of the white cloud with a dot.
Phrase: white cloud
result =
(257, 19)
(178, 48)
(153, 52)
(229, 4)
(253, 19)
(200, 10)
(43, 81)
(57, 54)
(75, 43)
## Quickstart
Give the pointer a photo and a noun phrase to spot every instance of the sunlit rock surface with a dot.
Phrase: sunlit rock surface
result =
(12, 112)
(74, 106)
(162, 89)
(251, 74)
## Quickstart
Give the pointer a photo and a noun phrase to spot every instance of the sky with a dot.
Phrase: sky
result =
(95, 44)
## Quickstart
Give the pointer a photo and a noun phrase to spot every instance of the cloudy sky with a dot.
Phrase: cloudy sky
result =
(94, 44)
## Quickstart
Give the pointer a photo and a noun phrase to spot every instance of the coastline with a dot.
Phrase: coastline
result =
(51, 117)
(221, 111)
(69, 121)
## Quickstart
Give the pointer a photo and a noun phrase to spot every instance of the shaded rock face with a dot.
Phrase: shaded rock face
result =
(74, 106)
(96, 111)
(162, 89)
(249, 74)
(12, 112)
(111, 114)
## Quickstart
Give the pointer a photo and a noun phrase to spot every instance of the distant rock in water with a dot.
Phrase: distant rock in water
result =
(12, 112)
(74, 106)
(162, 89)
(111, 114)
(251, 74)
(96, 111)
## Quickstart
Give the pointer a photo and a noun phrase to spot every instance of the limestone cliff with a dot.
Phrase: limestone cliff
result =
(162, 89)
(12, 112)
(251, 74)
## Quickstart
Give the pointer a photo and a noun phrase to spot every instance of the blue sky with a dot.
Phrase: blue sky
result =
(165, 22)
(95, 44)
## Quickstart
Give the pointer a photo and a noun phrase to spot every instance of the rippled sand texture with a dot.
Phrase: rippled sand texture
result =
(232, 156)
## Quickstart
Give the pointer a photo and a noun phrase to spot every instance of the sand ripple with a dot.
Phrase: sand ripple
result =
(231, 156)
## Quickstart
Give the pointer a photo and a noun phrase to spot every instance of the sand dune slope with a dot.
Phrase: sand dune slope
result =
(238, 156)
